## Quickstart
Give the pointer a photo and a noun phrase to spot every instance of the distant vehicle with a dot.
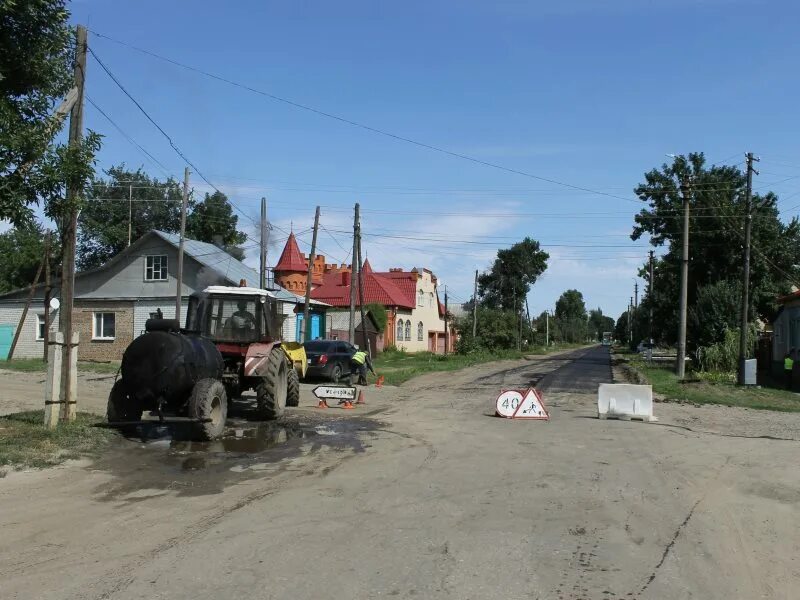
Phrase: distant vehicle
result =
(607, 338)
(329, 359)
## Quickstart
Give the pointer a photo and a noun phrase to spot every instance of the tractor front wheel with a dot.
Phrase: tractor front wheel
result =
(271, 392)
(293, 389)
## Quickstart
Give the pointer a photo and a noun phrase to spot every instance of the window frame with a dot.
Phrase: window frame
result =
(421, 299)
(399, 330)
(420, 332)
(408, 330)
(163, 267)
(40, 327)
(103, 338)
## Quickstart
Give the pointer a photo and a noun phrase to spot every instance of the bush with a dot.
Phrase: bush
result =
(723, 357)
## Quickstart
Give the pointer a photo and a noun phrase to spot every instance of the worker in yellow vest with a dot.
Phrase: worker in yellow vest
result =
(360, 362)
(788, 365)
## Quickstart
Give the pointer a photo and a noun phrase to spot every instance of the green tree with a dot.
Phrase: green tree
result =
(497, 330)
(570, 314)
(212, 220)
(599, 323)
(514, 271)
(36, 50)
(22, 249)
(716, 240)
(715, 311)
(103, 223)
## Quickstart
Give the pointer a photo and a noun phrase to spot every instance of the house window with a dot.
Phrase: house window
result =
(39, 327)
(155, 268)
(421, 298)
(430, 300)
(104, 326)
(408, 330)
(419, 331)
(400, 330)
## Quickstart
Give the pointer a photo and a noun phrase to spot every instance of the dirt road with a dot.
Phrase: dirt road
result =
(424, 494)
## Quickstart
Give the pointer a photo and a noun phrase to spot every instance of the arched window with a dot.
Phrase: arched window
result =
(399, 330)
(421, 298)
(430, 300)
(408, 330)
(419, 331)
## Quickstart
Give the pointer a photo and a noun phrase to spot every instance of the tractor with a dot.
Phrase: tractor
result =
(231, 343)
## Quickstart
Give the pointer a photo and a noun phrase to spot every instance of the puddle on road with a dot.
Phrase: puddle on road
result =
(163, 461)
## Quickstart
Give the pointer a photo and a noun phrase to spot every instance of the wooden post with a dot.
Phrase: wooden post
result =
(310, 278)
(21, 325)
(262, 271)
(71, 223)
(47, 292)
(352, 329)
(364, 336)
(179, 291)
(52, 387)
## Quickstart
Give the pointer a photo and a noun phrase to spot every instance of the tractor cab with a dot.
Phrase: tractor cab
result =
(235, 315)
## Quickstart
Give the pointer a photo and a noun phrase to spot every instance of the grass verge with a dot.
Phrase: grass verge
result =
(715, 389)
(398, 367)
(25, 442)
(37, 365)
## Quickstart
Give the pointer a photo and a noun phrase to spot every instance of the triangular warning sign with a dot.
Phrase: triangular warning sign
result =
(531, 407)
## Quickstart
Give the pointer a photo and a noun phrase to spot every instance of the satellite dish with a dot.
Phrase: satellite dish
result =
(54, 303)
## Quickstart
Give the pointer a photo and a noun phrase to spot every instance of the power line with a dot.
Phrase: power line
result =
(357, 124)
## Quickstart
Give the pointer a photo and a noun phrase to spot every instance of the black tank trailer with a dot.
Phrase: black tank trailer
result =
(171, 373)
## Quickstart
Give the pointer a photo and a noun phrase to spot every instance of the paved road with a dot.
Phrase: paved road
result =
(426, 496)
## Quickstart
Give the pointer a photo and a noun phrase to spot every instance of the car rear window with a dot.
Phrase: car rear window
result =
(318, 346)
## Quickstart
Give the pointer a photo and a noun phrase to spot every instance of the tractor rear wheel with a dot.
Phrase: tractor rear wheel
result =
(208, 404)
(122, 408)
(293, 389)
(271, 392)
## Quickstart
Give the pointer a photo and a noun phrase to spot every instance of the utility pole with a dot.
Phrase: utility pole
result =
(748, 225)
(130, 212)
(547, 328)
(47, 292)
(31, 293)
(650, 301)
(179, 293)
(630, 320)
(71, 231)
(352, 329)
(446, 324)
(262, 280)
(680, 366)
(365, 338)
(475, 307)
(636, 294)
(310, 278)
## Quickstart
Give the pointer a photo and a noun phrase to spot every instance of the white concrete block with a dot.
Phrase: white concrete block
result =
(625, 401)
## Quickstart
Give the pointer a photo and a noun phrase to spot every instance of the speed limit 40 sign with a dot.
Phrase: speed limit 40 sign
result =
(521, 404)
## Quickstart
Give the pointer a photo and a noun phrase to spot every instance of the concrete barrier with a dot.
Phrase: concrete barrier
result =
(625, 401)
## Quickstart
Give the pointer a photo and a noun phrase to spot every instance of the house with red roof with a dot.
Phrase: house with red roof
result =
(415, 317)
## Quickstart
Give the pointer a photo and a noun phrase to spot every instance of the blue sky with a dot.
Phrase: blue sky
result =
(584, 92)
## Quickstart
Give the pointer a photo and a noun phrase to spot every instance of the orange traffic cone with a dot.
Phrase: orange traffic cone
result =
(348, 404)
(360, 397)
(322, 404)
(379, 383)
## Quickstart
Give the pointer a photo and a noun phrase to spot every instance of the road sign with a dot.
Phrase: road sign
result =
(521, 404)
(336, 392)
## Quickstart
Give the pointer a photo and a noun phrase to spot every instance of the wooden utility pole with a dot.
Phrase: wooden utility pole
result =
(184, 203)
(547, 328)
(364, 336)
(636, 294)
(630, 321)
(47, 292)
(352, 329)
(650, 301)
(748, 225)
(71, 230)
(130, 212)
(310, 278)
(446, 324)
(680, 365)
(475, 307)
(22, 318)
(262, 272)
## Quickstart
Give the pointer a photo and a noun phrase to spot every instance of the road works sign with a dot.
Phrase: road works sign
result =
(336, 392)
(521, 404)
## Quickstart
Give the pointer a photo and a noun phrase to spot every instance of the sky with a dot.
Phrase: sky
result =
(578, 92)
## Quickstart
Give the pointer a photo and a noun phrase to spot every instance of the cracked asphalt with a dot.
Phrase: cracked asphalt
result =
(423, 493)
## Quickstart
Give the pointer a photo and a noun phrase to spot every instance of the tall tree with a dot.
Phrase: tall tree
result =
(212, 220)
(22, 249)
(36, 51)
(571, 316)
(514, 271)
(599, 323)
(103, 223)
(716, 239)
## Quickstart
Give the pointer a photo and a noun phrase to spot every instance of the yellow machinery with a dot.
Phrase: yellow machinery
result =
(297, 355)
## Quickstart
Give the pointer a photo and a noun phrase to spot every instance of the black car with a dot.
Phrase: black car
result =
(329, 359)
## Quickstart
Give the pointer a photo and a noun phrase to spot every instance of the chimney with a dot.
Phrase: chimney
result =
(346, 278)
